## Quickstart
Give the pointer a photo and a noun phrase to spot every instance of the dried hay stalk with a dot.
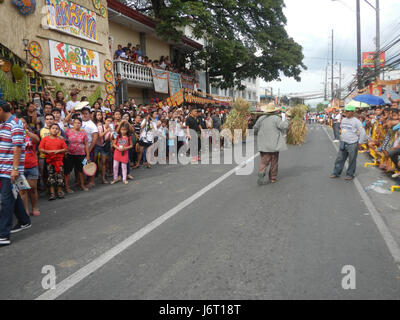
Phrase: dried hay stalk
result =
(238, 117)
(297, 128)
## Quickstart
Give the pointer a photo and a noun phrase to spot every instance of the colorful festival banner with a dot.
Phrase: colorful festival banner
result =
(368, 59)
(74, 62)
(187, 81)
(68, 17)
(160, 80)
(174, 83)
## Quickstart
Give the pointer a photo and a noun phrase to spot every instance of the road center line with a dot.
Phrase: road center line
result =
(380, 223)
(100, 261)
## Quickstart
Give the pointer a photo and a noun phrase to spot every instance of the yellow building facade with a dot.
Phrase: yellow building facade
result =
(57, 30)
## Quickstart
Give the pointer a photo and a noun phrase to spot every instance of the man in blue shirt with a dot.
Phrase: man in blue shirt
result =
(118, 53)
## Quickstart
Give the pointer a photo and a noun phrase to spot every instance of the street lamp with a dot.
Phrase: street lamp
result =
(26, 42)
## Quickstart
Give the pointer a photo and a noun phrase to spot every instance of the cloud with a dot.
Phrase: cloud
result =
(310, 22)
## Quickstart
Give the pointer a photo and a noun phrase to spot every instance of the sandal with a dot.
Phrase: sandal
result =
(105, 182)
(52, 197)
(36, 213)
(60, 195)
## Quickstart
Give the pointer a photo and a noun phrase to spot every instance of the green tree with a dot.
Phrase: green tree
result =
(320, 107)
(244, 38)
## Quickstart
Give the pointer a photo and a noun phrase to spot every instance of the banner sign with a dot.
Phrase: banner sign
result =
(187, 81)
(368, 59)
(68, 61)
(160, 79)
(174, 83)
(68, 17)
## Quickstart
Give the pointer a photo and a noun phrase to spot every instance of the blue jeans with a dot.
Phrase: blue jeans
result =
(10, 206)
(350, 151)
(336, 130)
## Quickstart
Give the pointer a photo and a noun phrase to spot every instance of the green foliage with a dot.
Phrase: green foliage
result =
(17, 72)
(96, 94)
(57, 86)
(14, 91)
(320, 107)
(245, 38)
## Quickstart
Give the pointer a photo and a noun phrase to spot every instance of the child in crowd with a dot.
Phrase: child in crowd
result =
(54, 147)
(31, 171)
(122, 144)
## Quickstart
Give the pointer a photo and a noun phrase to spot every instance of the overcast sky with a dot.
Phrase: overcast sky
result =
(310, 23)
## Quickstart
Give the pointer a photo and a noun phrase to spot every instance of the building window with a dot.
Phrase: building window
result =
(214, 90)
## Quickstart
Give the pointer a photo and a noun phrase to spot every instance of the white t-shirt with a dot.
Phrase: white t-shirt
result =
(105, 109)
(337, 117)
(70, 105)
(179, 131)
(90, 129)
(124, 56)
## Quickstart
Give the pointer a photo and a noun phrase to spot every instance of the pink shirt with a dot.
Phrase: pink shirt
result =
(76, 142)
(118, 156)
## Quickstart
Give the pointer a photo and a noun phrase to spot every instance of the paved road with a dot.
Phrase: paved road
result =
(289, 240)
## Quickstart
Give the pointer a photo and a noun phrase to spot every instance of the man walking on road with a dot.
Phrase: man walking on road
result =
(271, 129)
(353, 134)
(12, 140)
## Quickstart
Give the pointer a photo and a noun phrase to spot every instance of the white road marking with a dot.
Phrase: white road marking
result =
(100, 261)
(380, 223)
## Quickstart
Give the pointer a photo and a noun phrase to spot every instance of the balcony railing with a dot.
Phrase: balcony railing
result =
(136, 74)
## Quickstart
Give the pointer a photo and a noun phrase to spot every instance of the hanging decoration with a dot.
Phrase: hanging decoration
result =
(14, 91)
(111, 99)
(36, 64)
(35, 49)
(103, 11)
(6, 67)
(108, 65)
(25, 7)
(96, 4)
(110, 88)
(17, 72)
(108, 76)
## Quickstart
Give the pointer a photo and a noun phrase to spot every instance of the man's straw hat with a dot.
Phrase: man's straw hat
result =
(269, 108)
(81, 105)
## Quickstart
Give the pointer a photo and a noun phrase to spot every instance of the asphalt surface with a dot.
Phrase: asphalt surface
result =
(289, 240)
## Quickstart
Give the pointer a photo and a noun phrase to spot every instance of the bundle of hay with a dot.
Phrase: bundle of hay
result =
(297, 128)
(238, 117)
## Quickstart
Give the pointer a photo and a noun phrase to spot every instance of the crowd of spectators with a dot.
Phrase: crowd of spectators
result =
(58, 138)
(381, 125)
(134, 55)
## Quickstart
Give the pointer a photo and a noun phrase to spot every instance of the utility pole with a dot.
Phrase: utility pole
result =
(378, 40)
(359, 84)
(326, 84)
(332, 93)
(340, 82)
